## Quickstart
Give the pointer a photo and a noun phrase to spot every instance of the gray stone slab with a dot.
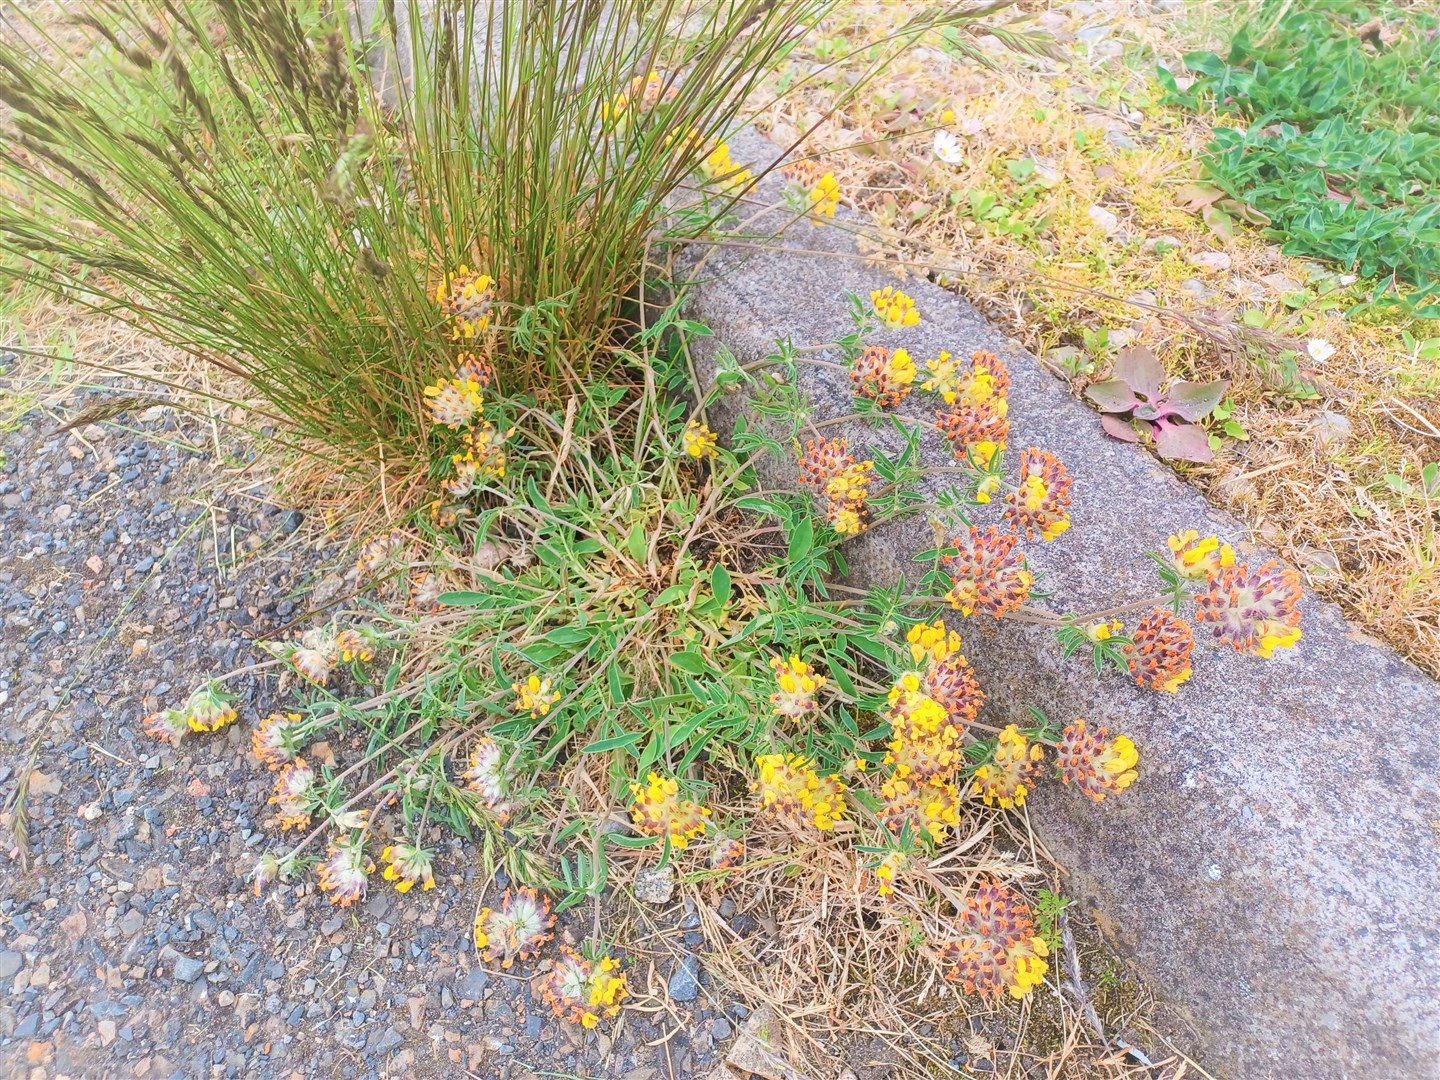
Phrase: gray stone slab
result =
(1274, 873)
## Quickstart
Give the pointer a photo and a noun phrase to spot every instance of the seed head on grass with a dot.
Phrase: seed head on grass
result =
(894, 308)
(344, 873)
(1254, 613)
(517, 930)
(793, 792)
(987, 573)
(407, 865)
(658, 810)
(1095, 763)
(1160, 650)
(584, 991)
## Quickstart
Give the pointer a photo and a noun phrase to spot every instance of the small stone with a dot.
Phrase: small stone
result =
(1331, 429)
(655, 886)
(1104, 219)
(1120, 141)
(1212, 262)
(684, 982)
(474, 985)
(10, 963)
(721, 1030)
(106, 1030)
(188, 969)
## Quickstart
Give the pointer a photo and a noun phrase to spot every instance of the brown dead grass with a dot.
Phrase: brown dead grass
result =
(1099, 137)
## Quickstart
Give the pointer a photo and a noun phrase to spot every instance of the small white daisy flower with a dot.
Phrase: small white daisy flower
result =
(1319, 349)
(947, 148)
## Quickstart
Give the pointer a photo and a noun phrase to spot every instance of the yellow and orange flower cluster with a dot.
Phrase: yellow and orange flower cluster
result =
(796, 684)
(883, 376)
(987, 573)
(699, 441)
(534, 695)
(584, 991)
(1095, 763)
(811, 189)
(480, 460)
(295, 795)
(894, 308)
(658, 810)
(209, 708)
(517, 930)
(997, 949)
(720, 168)
(487, 776)
(831, 469)
(344, 874)
(276, 739)
(1160, 649)
(1194, 558)
(467, 299)
(1254, 612)
(1039, 506)
(1005, 779)
(977, 426)
(407, 866)
(792, 791)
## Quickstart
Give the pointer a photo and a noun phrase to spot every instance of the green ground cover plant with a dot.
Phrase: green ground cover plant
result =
(1340, 148)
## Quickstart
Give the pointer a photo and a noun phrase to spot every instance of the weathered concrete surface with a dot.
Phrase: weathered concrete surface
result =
(1275, 872)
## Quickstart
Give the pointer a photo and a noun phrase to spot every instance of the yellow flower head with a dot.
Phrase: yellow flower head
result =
(883, 376)
(455, 403)
(796, 684)
(997, 949)
(210, 708)
(275, 740)
(357, 644)
(924, 743)
(891, 865)
(987, 573)
(932, 642)
(295, 795)
(699, 441)
(1095, 763)
(517, 930)
(467, 299)
(1103, 630)
(658, 810)
(344, 873)
(1160, 650)
(1004, 780)
(928, 807)
(976, 430)
(1194, 558)
(584, 991)
(487, 776)
(406, 865)
(482, 459)
(829, 466)
(894, 308)
(1039, 506)
(168, 725)
(534, 696)
(1256, 613)
(719, 168)
(791, 790)
(809, 189)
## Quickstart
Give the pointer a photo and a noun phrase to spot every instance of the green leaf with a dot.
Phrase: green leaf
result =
(720, 584)
(802, 539)
(615, 742)
(636, 543)
(689, 661)
(670, 595)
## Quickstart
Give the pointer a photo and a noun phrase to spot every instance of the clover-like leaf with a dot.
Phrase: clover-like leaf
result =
(1182, 442)
(1112, 396)
(1141, 370)
(1192, 400)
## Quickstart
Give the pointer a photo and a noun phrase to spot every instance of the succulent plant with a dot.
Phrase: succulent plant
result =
(1136, 400)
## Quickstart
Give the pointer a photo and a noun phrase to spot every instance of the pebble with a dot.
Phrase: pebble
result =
(655, 886)
(188, 969)
(684, 982)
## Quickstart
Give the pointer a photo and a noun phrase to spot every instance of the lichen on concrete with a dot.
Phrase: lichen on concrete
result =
(1273, 873)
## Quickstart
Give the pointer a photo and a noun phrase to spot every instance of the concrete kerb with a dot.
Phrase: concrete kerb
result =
(1273, 873)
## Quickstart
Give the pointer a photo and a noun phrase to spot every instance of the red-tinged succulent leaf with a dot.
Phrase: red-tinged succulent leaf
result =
(1192, 400)
(1141, 370)
(1117, 427)
(1148, 412)
(1182, 442)
(1112, 395)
